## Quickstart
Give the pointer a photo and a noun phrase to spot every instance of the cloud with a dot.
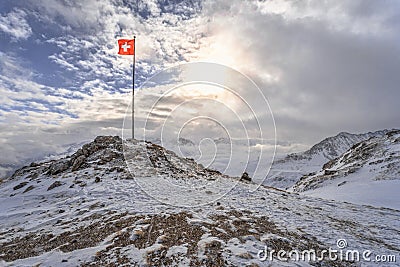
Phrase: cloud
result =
(324, 67)
(90, 29)
(15, 24)
(327, 67)
(38, 121)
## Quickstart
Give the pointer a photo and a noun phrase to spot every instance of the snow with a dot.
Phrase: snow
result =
(242, 222)
(288, 170)
(59, 258)
(383, 193)
(368, 174)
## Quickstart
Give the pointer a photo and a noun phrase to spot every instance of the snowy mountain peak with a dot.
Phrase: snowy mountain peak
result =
(374, 162)
(287, 171)
(334, 146)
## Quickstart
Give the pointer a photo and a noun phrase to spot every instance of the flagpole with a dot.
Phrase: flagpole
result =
(133, 87)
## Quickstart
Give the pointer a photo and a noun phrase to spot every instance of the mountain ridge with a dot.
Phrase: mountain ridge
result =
(88, 209)
(293, 166)
(374, 162)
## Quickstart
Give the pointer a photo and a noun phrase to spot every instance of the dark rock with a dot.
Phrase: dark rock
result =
(54, 185)
(245, 177)
(58, 167)
(78, 162)
(213, 171)
(392, 133)
(20, 185)
(97, 180)
(34, 164)
(33, 176)
(29, 188)
(330, 172)
(329, 164)
(109, 156)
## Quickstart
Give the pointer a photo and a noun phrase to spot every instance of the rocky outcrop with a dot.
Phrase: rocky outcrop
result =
(111, 146)
(59, 166)
(294, 166)
(378, 158)
(103, 150)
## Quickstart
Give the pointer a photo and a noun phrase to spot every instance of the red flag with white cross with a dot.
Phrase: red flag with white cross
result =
(126, 46)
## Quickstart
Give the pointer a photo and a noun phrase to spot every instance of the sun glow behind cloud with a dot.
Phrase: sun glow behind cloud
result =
(60, 72)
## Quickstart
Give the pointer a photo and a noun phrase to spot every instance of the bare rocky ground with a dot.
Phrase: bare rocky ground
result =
(88, 210)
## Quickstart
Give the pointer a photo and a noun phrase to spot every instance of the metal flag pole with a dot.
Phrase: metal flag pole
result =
(133, 87)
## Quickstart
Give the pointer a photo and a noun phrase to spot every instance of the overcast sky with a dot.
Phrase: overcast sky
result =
(323, 66)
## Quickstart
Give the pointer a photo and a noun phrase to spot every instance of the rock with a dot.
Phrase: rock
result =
(329, 164)
(34, 164)
(20, 185)
(78, 162)
(54, 185)
(33, 176)
(97, 180)
(330, 172)
(245, 176)
(58, 167)
(109, 156)
(245, 255)
(29, 188)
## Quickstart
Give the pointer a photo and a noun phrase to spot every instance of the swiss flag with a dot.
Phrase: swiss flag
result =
(126, 46)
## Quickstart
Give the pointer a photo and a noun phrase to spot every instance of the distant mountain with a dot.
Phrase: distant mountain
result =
(185, 142)
(287, 171)
(368, 170)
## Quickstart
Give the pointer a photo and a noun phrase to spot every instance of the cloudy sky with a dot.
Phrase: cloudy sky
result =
(323, 66)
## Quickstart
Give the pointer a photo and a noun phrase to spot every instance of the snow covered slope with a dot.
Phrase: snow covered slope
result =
(368, 173)
(287, 171)
(89, 210)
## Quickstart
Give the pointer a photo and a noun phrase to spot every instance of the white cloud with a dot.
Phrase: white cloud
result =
(324, 66)
(162, 39)
(39, 122)
(15, 24)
